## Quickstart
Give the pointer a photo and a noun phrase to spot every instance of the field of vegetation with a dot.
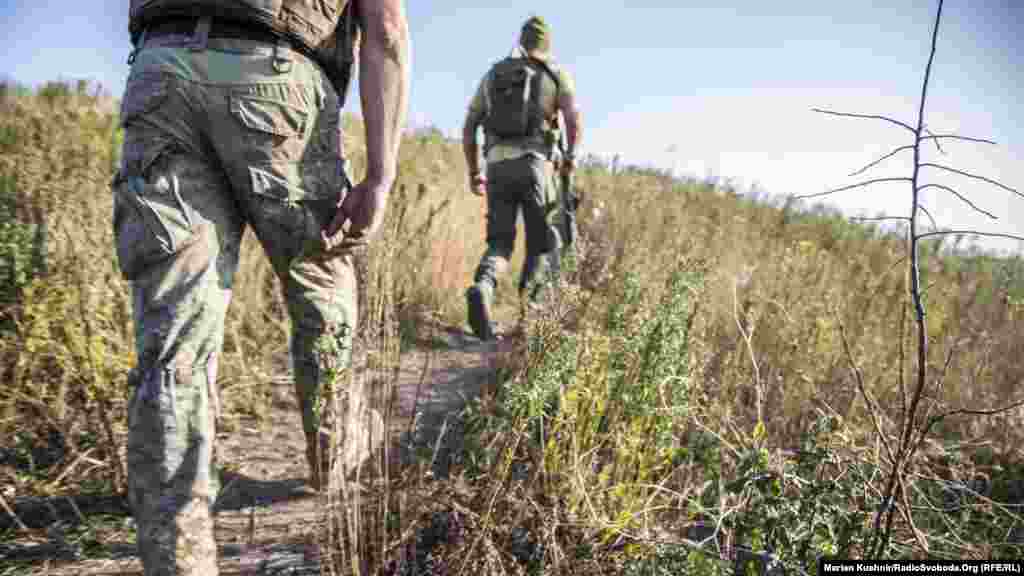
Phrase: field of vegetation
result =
(719, 372)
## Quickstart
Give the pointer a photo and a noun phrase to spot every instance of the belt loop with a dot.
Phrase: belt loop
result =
(138, 46)
(282, 56)
(201, 34)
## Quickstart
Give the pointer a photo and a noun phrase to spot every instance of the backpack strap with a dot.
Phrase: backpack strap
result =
(547, 68)
(558, 88)
(344, 51)
(540, 63)
(489, 77)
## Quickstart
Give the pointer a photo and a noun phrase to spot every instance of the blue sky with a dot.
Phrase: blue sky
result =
(704, 87)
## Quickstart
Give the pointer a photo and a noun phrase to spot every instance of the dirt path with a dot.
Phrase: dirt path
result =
(267, 520)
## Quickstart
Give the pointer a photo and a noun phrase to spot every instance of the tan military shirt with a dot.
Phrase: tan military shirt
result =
(478, 107)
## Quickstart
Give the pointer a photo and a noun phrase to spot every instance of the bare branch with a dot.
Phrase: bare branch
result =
(939, 382)
(933, 139)
(869, 400)
(882, 536)
(898, 262)
(937, 137)
(747, 336)
(852, 186)
(970, 233)
(959, 196)
(902, 351)
(928, 214)
(908, 515)
(867, 116)
(883, 158)
(971, 412)
(990, 412)
(975, 176)
(878, 218)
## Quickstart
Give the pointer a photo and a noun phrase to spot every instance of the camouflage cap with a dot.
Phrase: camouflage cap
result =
(535, 37)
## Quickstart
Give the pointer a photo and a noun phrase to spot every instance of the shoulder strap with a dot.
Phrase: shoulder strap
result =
(547, 68)
(344, 49)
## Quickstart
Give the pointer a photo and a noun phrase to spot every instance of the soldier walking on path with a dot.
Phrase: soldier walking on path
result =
(231, 118)
(517, 103)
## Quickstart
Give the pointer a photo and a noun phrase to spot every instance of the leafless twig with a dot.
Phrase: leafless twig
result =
(419, 389)
(931, 218)
(852, 186)
(879, 218)
(974, 176)
(867, 116)
(975, 412)
(882, 535)
(868, 399)
(883, 158)
(747, 338)
(937, 137)
(904, 335)
(971, 233)
(959, 196)
(936, 141)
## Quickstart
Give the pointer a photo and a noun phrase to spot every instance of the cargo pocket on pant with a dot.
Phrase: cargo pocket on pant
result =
(269, 117)
(151, 220)
(275, 210)
(297, 201)
(153, 426)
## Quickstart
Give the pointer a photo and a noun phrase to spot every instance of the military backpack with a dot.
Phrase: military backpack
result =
(514, 92)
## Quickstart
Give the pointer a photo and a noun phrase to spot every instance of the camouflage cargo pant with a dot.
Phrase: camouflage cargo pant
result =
(215, 140)
(528, 184)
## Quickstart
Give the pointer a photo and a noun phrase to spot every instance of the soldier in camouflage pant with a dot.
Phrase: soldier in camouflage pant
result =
(228, 133)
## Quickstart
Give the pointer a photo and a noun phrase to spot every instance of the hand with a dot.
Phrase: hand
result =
(478, 184)
(363, 209)
(568, 164)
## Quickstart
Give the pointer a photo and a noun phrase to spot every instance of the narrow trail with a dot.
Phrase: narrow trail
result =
(267, 521)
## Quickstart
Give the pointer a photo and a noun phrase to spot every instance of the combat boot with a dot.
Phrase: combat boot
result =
(478, 306)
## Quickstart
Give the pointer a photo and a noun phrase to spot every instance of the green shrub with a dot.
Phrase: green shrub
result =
(604, 403)
(21, 250)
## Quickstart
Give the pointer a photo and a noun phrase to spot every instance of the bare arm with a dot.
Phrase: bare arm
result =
(477, 181)
(384, 62)
(470, 148)
(573, 121)
(384, 56)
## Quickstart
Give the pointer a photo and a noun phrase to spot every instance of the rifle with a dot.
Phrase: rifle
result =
(570, 201)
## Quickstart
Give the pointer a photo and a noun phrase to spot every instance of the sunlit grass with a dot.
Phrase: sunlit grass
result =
(779, 287)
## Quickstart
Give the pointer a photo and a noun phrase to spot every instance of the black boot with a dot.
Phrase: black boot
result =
(478, 308)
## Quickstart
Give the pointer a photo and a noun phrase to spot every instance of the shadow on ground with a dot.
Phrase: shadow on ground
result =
(436, 410)
(264, 526)
(239, 491)
(73, 527)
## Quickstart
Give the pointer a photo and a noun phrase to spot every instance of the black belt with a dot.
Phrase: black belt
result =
(219, 28)
(222, 28)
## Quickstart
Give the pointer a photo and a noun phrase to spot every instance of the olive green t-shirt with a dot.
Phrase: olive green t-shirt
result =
(549, 103)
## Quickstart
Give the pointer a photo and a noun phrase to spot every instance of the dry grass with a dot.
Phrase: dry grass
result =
(780, 284)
